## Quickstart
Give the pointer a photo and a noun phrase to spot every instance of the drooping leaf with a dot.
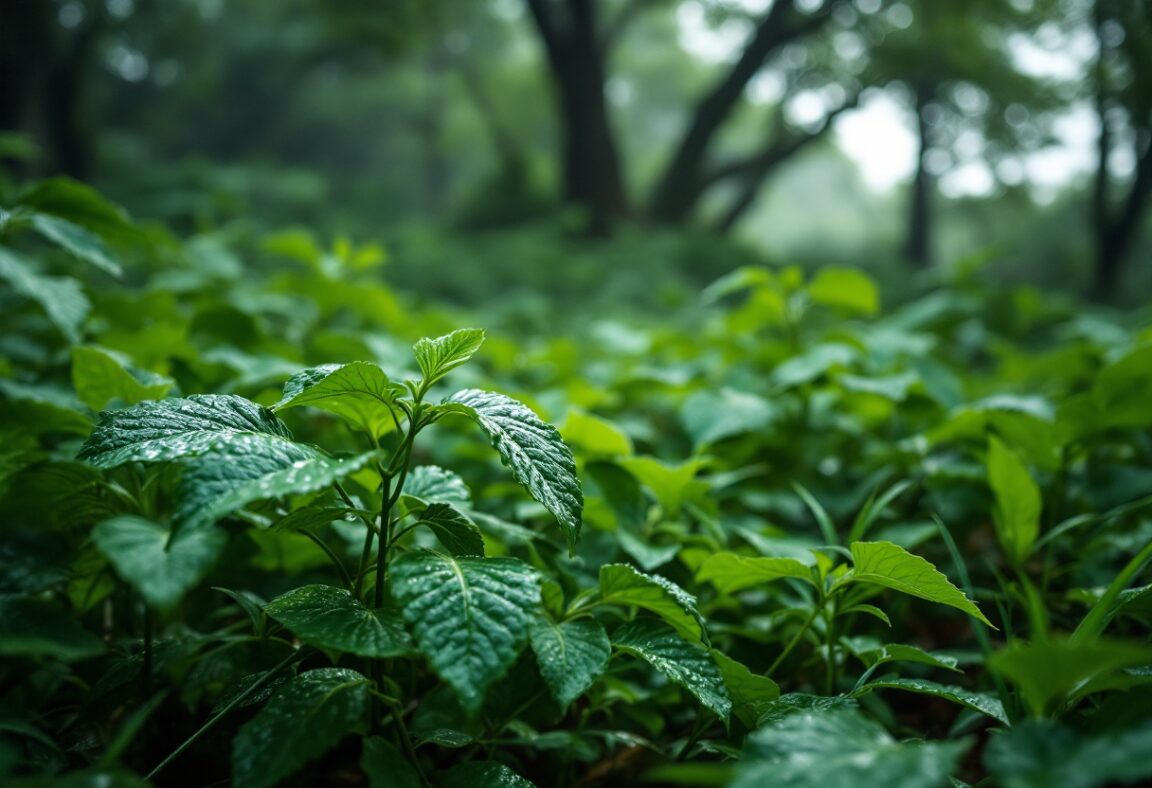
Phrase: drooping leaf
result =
(454, 529)
(730, 572)
(160, 567)
(437, 357)
(331, 618)
(620, 584)
(386, 767)
(889, 565)
(174, 428)
(306, 718)
(1048, 754)
(483, 774)
(359, 392)
(751, 694)
(1017, 501)
(982, 702)
(533, 451)
(470, 616)
(60, 297)
(841, 749)
(77, 241)
(37, 628)
(687, 663)
(571, 655)
(99, 378)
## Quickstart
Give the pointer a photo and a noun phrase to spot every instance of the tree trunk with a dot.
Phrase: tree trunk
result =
(918, 239)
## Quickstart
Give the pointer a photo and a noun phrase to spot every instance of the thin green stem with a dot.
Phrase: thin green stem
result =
(365, 556)
(331, 556)
(795, 639)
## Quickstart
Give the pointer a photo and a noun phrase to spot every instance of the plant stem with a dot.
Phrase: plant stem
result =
(365, 555)
(406, 740)
(795, 639)
(331, 556)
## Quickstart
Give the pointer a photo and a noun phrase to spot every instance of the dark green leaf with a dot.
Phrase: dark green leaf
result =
(483, 774)
(1046, 754)
(331, 618)
(687, 663)
(60, 297)
(982, 702)
(458, 534)
(360, 393)
(751, 694)
(38, 628)
(432, 483)
(386, 767)
(571, 655)
(77, 241)
(620, 584)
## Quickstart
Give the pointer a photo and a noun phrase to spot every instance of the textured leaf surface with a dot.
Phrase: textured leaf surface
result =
(175, 428)
(533, 451)
(1017, 500)
(437, 357)
(159, 571)
(306, 718)
(77, 241)
(470, 616)
(483, 774)
(432, 483)
(751, 695)
(454, 529)
(331, 618)
(688, 664)
(731, 573)
(982, 702)
(360, 393)
(889, 565)
(571, 655)
(620, 584)
(99, 378)
(37, 628)
(59, 296)
(841, 749)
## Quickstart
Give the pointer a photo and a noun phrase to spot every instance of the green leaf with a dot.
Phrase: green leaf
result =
(160, 567)
(1120, 390)
(432, 483)
(900, 652)
(1017, 501)
(841, 749)
(458, 534)
(37, 628)
(846, 288)
(483, 774)
(889, 565)
(437, 357)
(360, 393)
(1051, 674)
(671, 485)
(571, 655)
(687, 663)
(620, 584)
(1045, 754)
(331, 618)
(533, 451)
(751, 694)
(174, 428)
(711, 416)
(386, 767)
(982, 702)
(99, 378)
(730, 572)
(60, 297)
(307, 717)
(77, 241)
(240, 469)
(594, 436)
(470, 616)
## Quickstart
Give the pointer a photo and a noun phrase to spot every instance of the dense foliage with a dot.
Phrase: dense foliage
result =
(253, 529)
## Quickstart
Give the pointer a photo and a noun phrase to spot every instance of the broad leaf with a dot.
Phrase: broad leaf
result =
(1046, 754)
(846, 288)
(620, 584)
(37, 628)
(571, 655)
(470, 616)
(360, 393)
(594, 436)
(1017, 501)
(533, 451)
(482, 774)
(889, 565)
(160, 567)
(99, 378)
(331, 618)
(60, 297)
(386, 767)
(432, 483)
(841, 749)
(454, 529)
(437, 357)
(900, 652)
(306, 718)
(77, 241)
(710, 416)
(751, 694)
(730, 572)
(982, 702)
(688, 664)
(671, 485)
(175, 428)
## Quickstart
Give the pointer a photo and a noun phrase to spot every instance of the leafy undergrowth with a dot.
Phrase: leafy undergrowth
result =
(264, 521)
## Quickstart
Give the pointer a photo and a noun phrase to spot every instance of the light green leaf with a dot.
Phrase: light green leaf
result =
(60, 297)
(571, 655)
(386, 767)
(982, 702)
(483, 774)
(431, 483)
(751, 694)
(889, 565)
(671, 485)
(730, 572)
(470, 616)
(687, 663)
(160, 567)
(900, 652)
(174, 428)
(100, 378)
(37, 628)
(307, 717)
(1046, 754)
(846, 288)
(711, 416)
(459, 535)
(331, 618)
(620, 584)
(437, 357)
(594, 436)
(77, 241)
(1017, 501)
(841, 749)
(813, 363)
(533, 451)
(359, 392)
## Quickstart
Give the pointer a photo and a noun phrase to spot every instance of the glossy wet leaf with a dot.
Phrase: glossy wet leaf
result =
(620, 584)
(77, 241)
(469, 616)
(100, 378)
(571, 655)
(751, 694)
(431, 483)
(331, 618)
(482, 774)
(61, 297)
(359, 392)
(983, 702)
(533, 451)
(688, 664)
(730, 572)
(889, 565)
(437, 357)
(455, 530)
(38, 628)
(307, 717)
(174, 428)
(160, 568)
(1018, 500)
(841, 749)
